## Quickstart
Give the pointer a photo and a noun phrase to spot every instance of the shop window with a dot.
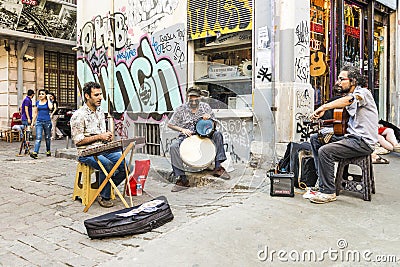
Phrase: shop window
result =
(60, 78)
(352, 29)
(319, 49)
(223, 69)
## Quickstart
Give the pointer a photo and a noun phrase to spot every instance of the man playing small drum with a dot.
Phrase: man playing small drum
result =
(184, 121)
(88, 129)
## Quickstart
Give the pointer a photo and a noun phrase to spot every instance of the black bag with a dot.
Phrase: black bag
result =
(293, 162)
(307, 173)
(117, 223)
(290, 161)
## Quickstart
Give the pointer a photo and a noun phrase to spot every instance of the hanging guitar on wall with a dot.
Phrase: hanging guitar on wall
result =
(318, 65)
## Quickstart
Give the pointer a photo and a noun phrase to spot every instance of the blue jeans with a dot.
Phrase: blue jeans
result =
(40, 127)
(108, 160)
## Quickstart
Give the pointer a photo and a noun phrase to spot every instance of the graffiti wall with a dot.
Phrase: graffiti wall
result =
(304, 97)
(138, 54)
(41, 19)
(212, 17)
(302, 52)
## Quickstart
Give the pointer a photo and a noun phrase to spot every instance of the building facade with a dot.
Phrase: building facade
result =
(36, 38)
(263, 65)
(258, 63)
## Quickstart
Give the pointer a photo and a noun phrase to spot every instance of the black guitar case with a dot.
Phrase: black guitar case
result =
(113, 224)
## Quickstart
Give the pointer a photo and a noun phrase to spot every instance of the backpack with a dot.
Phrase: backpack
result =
(299, 160)
(307, 173)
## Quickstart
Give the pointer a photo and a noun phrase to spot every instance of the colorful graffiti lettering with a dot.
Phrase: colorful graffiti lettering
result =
(102, 34)
(145, 79)
(214, 17)
(125, 55)
(149, 85)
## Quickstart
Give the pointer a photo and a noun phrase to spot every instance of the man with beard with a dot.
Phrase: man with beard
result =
(361, 137)
(88, 129)
(184, 121)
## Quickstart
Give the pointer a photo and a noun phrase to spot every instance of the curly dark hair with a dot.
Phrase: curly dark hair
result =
(87, 88)
(354, 74)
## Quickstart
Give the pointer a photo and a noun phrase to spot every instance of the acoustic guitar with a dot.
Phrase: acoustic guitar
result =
(339, 121)
(318, 65)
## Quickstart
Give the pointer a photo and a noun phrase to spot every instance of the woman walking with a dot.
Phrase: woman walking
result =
(55, 132)
(42, 122)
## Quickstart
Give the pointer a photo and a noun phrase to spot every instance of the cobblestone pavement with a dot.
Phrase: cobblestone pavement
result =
(219, 223)
(42, 226)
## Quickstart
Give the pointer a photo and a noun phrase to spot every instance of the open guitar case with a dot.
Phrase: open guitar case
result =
(117, 223)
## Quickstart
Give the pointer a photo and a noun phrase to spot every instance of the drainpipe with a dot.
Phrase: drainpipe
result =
(111, 74)
(21, 50)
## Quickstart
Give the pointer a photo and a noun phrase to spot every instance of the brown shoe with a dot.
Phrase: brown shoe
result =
(180, 185)
(221, 173)
(105, 203)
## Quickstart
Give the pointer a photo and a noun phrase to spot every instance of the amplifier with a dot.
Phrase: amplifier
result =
(282, 184)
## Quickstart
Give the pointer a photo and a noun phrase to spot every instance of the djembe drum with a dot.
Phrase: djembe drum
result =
(197, 152)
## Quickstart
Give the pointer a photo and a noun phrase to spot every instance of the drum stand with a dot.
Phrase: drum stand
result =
(128, 149)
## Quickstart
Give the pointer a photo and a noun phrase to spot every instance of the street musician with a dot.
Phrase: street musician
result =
(88, 129)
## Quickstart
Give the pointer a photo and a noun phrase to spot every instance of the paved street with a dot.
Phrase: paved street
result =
(232, 222)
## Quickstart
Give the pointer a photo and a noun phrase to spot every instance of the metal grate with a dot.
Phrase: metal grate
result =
(152, 134)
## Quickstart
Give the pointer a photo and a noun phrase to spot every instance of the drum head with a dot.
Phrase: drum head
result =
(197, 152)
(205, 128)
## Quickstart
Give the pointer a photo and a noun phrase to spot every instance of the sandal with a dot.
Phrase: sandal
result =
(380, 160)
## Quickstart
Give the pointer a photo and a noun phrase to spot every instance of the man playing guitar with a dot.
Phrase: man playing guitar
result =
(361, 136)
(88, 129)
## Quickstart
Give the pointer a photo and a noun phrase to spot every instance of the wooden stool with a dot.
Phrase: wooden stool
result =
(13, 135)
(364, 183)
(83, 186)
(3, 135)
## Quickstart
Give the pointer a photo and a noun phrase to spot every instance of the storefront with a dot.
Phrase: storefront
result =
(353, 33)
(220, 41)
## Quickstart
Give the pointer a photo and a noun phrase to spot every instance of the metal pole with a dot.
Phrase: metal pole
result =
(21, 49)
(111, 74)
(370, 44)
